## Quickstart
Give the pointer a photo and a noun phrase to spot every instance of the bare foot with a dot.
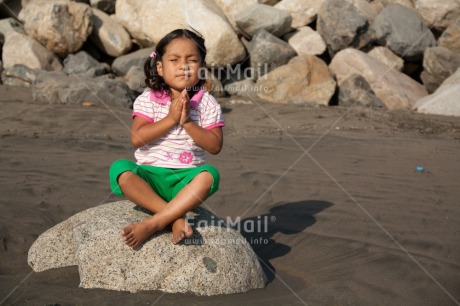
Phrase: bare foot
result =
(136, 233)
(180, 230)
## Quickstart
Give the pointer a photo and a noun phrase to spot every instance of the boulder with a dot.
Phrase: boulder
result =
(18, 75)
(444, 101)
(108, 35)
(379, 5)
(215, 260)
(306, 41)
(56, 88)
(107, 6)
(438, 64)
(395, 89)
(242, 87)
(232, 7)
(403, 31)
(214, 86)
(147, 22)
(22, 49)
(387, 57)
(258, 17)
(11, 24)
(450, 38)
(61, 26)
(350, 30)
(355, 90)
(303, 12)
(135, 79)
(438, 14)
(304, 80)
(122, 64)
(83, 64)
(268, 52)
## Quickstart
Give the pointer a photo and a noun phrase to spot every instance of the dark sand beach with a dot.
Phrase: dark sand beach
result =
(351, 221)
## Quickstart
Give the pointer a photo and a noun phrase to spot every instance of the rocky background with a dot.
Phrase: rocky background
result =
(395, 54)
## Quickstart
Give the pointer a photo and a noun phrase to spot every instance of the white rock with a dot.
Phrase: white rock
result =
(61, 26)
(147, 22)
(108, 35)
(387, 57)
(303, 12)
(438, 14)
(233, 7)
(395, 89)
(215, 260)
(444, 101)
(22, 49)
(306, 41)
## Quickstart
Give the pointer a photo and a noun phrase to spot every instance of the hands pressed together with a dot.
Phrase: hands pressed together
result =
(179, 110)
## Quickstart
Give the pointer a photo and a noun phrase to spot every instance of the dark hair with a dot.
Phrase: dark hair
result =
(156, 82)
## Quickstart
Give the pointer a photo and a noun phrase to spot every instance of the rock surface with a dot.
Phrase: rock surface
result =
(83, 64)
(215, 260)
(303, 12)
(438, 14)
(306, 41)
(450, 38)
(122, 64)
(439, 63)
(355, 90)
(387, 57)
(61, 26)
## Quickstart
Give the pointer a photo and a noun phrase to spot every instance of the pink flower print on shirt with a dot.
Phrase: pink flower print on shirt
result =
(169, 156)
(186, 157)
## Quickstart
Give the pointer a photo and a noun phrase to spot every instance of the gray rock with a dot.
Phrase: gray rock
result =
(258, 17)
(82, 63)
(438, 14)
(350, 30)
(122, 64)
(403, 31)
(74, 89)
(438, 63)
(356, 90)
(18, 75)
(214, 86)
(11, 24)
(215, 260)
(268, 52)
(303, 12)
(107, 6)
(245, 87)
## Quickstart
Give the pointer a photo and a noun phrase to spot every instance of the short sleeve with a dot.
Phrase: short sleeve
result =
(143, 106)
(211, 113)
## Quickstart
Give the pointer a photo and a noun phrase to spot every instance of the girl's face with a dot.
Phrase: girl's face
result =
(179, 65)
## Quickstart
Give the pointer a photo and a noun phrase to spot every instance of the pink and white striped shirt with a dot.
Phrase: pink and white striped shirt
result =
(176, 149)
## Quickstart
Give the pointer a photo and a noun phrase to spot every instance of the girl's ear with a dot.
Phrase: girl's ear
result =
(160, 68)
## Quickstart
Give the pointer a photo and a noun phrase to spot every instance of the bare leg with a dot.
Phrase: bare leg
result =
(190, 197)
(138, 191)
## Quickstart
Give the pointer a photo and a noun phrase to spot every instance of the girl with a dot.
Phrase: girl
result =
(174, 121)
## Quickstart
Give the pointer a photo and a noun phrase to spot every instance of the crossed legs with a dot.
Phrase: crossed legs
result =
(138, 191)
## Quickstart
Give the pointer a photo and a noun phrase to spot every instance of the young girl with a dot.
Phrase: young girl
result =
(174, 121)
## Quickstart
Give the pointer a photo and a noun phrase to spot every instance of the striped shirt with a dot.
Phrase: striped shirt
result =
(176, 149)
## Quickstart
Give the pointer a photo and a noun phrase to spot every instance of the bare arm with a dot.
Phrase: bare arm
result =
(209, 140)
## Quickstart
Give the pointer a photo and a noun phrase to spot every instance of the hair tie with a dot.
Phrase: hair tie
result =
(153, 54)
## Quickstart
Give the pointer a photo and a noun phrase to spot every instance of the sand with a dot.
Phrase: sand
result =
(351, 221)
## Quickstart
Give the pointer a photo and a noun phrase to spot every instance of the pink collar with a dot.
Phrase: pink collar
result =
(163, 98)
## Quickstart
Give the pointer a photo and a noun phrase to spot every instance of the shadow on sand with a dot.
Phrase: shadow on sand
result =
(289, 219)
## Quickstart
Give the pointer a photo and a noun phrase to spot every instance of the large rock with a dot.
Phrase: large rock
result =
(387, 57)
(444, 101)
(258, 17)
(232, 7)
(268, 52)
(147, 22)
(438, 14)
(61, 26)
(11, 24)
(74, 89)
(22, 49)
(83, 64)
(215, 260)
(304, 80)
(438, 63)
(122, 64)
(355, 90)
(108, 35)
(450, 38)
(306, 41)
(403, 31)
(18, 75)
(350, 30)
(303, 12)
(135, 79)
(395, 89)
